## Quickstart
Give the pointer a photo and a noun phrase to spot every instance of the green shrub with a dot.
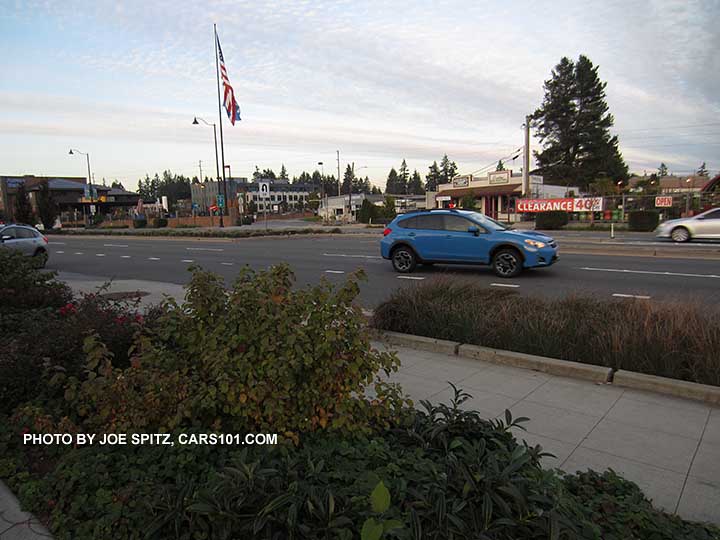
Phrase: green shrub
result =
(643, 220)
(656, 338)
(139, 223)
(551, 220)
(159, 223)
(234, 358)
(23, 286)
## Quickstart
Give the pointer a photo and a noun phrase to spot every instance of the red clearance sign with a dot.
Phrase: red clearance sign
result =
(586, 204)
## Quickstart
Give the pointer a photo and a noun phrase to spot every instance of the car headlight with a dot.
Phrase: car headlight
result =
(535, 243)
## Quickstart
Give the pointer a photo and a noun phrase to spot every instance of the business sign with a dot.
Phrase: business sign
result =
(264, 188)
(499, 177)
(461, 181)
(536, 180)
(663, 202)
(443, 198)
(586, 204)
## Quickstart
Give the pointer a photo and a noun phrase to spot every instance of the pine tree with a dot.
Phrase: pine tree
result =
(283, 173)
(415, 187)
(348, 180)
(500, 166)
(702, 171)
(47, 207)
(23, 212)
(573, 125)
(117, 185)
(403, 178)
(662, 170)
(448, 169)
(391, 187)
(433, 177)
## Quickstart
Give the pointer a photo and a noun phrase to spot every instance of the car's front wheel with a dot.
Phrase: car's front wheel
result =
(404, 260)
(680, 234)
(40, 258)
(507, 263)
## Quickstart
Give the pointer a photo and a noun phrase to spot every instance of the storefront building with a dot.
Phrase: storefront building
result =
(494, 194)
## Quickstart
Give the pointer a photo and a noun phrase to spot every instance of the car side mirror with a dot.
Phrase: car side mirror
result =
(474, 230)
(6, 237)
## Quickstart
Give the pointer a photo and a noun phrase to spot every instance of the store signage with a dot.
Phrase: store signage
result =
(443, 198)
(663, 202)
(586, 204)
(461, 181)
(499, 177)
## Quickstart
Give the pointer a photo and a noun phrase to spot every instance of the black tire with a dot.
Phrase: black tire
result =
(404, 260)
(680, 234)
(40, 258)
(507, 263)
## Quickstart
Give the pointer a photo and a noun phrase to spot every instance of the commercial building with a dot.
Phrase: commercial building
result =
(74, 197)
(205, 194)
(283, 197)
(667, 185)
(493, 193)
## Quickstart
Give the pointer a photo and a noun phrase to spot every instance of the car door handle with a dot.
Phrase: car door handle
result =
(411, 234)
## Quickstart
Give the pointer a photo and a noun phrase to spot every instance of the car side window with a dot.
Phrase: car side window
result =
(712, 215)
(24, 233)
(430, 222)
(456, 223)
(409, 223)
(10, 231)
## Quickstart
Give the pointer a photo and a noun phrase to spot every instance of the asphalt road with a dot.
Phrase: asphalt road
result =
(333, 257)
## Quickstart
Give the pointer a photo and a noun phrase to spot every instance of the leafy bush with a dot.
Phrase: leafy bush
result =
(551, 220)
(159, 223)
(643, 220)
(245, 220)
(656, 338)
(234, 358)
(440, 473)
(23, 286)
(139, 223)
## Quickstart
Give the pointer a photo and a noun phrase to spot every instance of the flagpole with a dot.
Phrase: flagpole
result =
(222, 146)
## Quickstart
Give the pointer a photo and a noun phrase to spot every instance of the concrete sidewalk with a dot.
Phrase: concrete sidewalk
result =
(670, 447)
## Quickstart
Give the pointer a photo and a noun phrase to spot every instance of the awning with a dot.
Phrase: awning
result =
(510, 189)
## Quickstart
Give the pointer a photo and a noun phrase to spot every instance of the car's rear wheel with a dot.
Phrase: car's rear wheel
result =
(507, 263)
(680, 234)
(404, 260)
(40, 258)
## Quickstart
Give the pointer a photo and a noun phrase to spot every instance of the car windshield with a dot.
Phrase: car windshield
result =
(487, 222)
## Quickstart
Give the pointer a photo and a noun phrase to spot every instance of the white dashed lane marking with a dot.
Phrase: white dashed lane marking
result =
(509, 285)
(205, 249)
(115, 245)
(334, 272)
(57, 243)
(59, 252)
(124, 256)
(153, 258)
(641, 297)
(226, 263)
(187, 260)
(417, 278)
(99, 254)
(654, 273)
(78, 253)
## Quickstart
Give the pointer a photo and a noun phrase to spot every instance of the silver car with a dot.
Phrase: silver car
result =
(27, 240)
(705, 226)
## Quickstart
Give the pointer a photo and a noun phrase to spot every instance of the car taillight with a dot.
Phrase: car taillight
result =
(387, 231)
(44, 238)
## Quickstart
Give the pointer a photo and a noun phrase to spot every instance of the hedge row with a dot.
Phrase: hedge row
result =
(200, 233)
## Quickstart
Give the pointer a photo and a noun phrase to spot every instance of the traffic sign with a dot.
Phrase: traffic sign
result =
(264, 188)
(221, 200)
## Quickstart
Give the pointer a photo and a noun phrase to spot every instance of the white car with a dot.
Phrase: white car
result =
(27, 240)
(705, 226)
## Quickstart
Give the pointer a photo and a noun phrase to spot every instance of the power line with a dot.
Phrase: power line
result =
(671, 127)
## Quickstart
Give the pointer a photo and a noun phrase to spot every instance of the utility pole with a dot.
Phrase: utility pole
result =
(200, 165)
(338, 178)
(526, 159)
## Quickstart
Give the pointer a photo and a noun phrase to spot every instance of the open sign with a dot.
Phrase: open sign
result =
(663, 202)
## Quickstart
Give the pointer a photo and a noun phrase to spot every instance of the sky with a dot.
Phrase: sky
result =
(380, 81)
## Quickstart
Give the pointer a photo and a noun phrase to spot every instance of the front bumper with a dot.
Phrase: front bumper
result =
(546, 256)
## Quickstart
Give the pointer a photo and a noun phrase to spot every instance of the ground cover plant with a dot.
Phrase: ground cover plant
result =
(678, 340)
(266, 356)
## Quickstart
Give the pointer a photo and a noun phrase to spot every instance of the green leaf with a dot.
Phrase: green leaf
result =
(390, 524)
(371, 530)
(380, 498)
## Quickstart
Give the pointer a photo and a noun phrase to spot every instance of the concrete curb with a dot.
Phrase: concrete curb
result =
(672, 387)
(564, 368)
(418, 342)
(17, 524)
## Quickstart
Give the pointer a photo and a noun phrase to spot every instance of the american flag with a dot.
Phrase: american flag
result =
(231, 106)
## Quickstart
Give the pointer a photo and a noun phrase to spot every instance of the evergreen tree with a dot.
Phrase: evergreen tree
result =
(448, 169)
(573, 126)
(500, 166)
(47, 207)
(376, 190)
(117, 185)
(391, 187)
(662, 170)
(388, 210)
(348, 180)
(702, 171)
(403, 178)
(283, 173)
(368, 212)
(268, 173)
(433, 177)
(23, 212)
(415, 187)
(257, 175)
(317, 181)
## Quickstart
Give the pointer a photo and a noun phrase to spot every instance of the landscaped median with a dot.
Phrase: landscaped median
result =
(195, 232)
(263, 358)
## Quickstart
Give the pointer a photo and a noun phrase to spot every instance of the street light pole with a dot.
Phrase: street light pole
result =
(217, 162)
(87, 155)
(322, 187)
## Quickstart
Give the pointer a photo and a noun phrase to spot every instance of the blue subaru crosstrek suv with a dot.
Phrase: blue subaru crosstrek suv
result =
(450, 236)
